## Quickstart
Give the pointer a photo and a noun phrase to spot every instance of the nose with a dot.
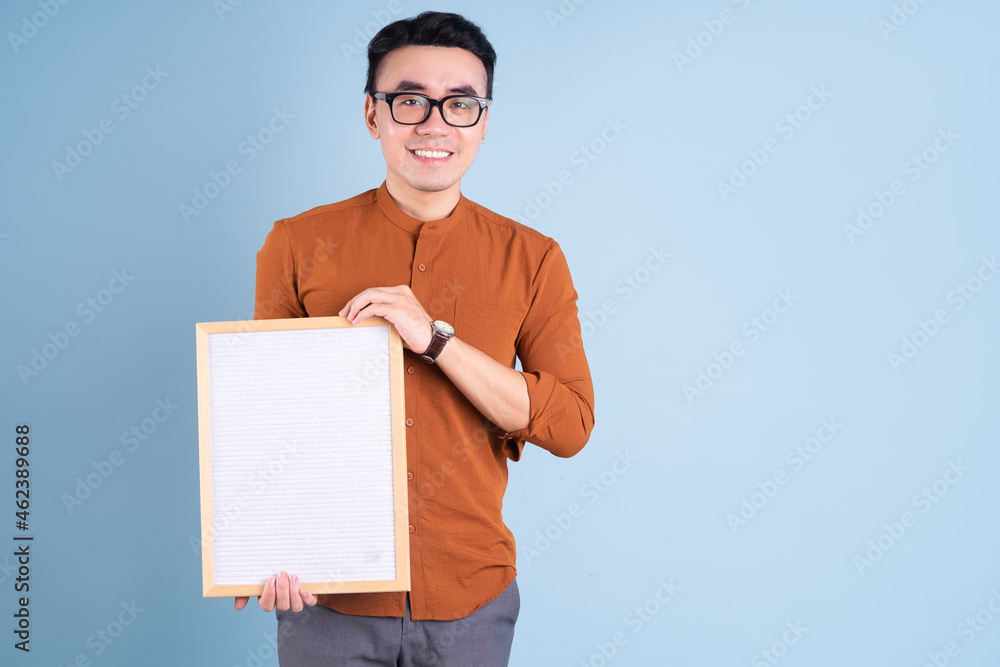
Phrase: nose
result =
(435, 121)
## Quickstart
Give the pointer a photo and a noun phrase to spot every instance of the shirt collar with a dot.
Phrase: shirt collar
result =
(407, 222)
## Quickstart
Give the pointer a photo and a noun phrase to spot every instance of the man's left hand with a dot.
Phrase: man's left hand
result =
(397, 305)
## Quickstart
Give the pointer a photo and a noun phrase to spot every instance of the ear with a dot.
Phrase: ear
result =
(486, 120)
(371, 122)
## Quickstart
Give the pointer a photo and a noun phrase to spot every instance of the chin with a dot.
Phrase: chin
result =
(432, 184)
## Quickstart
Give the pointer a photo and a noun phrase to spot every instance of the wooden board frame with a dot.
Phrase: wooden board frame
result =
(398, 431)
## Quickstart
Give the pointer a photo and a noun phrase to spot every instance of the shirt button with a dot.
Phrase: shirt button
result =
(409, 475)
(422, 267)
(409, 369)
(409, 421)
(411, 528)
(432, 227)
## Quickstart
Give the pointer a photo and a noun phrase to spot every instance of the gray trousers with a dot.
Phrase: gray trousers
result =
(318, 636)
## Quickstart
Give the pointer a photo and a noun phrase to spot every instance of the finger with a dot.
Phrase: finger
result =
(294, 598)
(266, 600)
(308, 597)
(360, 300)
(281, 591)
(354, 306)
(346, 309)
(367, 297)
(379, 309)
(241, 602)
(376, 295)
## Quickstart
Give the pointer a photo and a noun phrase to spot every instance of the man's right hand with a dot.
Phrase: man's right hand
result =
(282, 591)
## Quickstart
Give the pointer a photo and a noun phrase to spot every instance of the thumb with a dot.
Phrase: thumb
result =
(308, 597)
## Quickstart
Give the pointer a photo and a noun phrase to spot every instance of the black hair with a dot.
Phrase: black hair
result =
(431, 29)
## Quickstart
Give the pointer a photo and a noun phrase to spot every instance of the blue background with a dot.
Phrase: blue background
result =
(671, 516)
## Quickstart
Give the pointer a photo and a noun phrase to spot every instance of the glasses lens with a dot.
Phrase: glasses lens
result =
(409, 108)
(461, 111)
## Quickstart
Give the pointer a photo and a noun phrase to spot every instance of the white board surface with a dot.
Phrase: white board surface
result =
(301, 456)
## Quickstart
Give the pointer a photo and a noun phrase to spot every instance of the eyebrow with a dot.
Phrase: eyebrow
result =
(406, 85)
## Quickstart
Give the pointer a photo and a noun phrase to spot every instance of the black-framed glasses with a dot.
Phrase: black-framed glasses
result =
(414, 108)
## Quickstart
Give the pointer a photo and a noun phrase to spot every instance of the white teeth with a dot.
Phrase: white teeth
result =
(432, 153)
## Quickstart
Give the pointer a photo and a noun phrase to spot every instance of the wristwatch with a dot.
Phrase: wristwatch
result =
(442, 334)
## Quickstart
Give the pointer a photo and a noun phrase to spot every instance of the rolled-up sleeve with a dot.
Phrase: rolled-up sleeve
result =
(277, 290)
(554, 365)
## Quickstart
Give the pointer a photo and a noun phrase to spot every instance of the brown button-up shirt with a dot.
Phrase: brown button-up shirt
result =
(507, 290)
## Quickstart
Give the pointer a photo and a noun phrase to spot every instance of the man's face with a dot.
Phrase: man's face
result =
(436, 72)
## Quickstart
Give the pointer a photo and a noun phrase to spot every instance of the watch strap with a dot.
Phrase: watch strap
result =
(438, 340)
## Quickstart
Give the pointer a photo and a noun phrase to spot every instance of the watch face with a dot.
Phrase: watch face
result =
(444, 328)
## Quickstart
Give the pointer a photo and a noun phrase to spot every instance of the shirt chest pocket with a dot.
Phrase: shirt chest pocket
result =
(490, 329)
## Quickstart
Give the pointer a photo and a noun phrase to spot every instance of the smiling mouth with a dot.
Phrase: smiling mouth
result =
(432, 155)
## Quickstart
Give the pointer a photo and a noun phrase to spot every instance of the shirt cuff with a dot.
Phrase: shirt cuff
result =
(540, 387)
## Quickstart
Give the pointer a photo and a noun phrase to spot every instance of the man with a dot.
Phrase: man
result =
(466, 289)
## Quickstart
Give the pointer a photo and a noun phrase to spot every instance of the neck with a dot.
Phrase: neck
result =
(423, 206)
